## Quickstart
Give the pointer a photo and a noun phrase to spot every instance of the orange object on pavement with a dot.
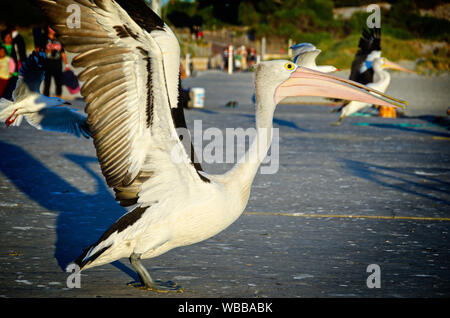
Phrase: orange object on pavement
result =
(387, 112)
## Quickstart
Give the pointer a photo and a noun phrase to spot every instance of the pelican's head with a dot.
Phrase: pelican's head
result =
(282, 78)
(384, 63)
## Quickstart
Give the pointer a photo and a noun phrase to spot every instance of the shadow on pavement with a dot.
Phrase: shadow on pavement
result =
(414, 128)
(82, 217)
(417, 182)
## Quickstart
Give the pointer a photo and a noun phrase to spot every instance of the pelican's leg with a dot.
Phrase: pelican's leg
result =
(339, 122)
(147, 282)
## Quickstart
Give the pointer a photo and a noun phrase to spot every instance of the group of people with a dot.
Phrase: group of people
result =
(13, 54)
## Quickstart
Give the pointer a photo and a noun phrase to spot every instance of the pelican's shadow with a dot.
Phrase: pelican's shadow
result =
(81, 217)
(433, 186)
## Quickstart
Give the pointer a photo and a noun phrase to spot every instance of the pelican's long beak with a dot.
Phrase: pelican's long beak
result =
(306, 82)
(395, 66)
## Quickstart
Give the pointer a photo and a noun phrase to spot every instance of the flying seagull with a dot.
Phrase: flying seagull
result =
(39, 110)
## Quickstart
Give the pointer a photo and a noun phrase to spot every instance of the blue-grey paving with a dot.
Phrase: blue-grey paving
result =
(54, 203)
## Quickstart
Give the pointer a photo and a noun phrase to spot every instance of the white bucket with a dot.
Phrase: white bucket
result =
(197, 96)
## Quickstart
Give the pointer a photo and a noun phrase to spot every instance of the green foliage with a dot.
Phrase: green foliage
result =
(316, 38)
(289, 18)
(358, 21)
(397, 33)
(248, 14)
(404, 21)
(182, 14)
(429, 27)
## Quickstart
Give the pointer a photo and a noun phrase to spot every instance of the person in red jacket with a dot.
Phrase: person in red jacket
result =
(53, 67)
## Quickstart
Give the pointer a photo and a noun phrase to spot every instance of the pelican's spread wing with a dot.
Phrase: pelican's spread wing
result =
(130, 60)
(308, 59)
(369, 48)
(370, 41)
(61, 119)
(31, 75)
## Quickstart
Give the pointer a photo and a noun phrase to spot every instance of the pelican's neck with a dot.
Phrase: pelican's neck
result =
(382, 78)
(247, 167)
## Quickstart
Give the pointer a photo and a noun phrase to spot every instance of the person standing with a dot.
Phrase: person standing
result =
(39, 39)
(244, 64)
(19, 46)
(53, 66)
(11, 52)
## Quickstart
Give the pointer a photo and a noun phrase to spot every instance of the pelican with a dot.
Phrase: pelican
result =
(381, 82)
(131, 64)
(305, 54)
(40, 111)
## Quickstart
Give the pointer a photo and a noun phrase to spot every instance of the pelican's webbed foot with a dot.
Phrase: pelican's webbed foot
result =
(158, 286)
(147, 283)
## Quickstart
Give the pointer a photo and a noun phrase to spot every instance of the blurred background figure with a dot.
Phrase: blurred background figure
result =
(19, 46)
(53, 67)
(251, 58)
(39, 39)
(244, 57)
(11, 51)
(237, 60)
(225, 58)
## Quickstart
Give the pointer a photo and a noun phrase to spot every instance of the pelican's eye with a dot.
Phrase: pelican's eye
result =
(289, 66)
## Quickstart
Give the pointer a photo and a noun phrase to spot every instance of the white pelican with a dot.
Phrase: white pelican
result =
(369, 49)
(305, 54)
(131, 73)
(381, 80)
